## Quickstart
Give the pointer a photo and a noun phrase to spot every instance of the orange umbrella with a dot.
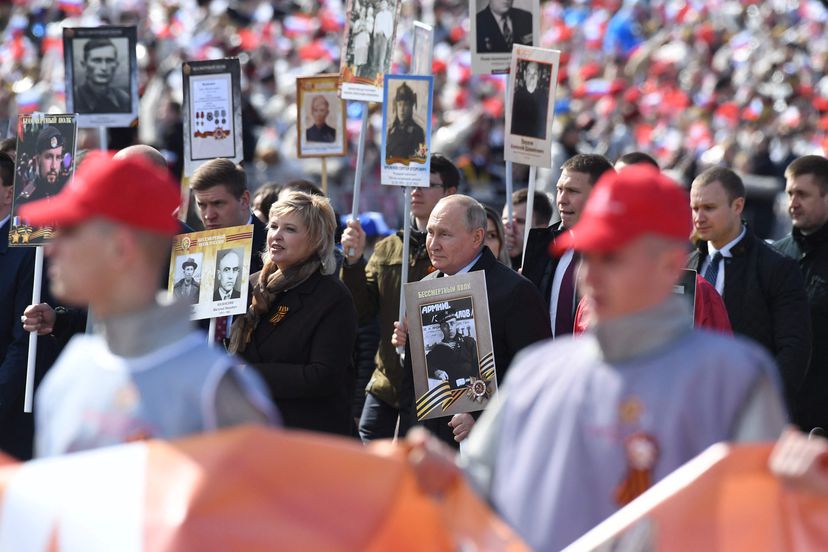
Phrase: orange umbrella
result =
(247, 488)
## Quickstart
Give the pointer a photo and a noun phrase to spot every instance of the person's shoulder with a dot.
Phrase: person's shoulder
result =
(539, 363)
(332, 286)
(773, 256)
(720, 352)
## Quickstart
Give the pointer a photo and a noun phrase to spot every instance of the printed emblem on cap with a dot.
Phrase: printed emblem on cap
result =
(53, 142)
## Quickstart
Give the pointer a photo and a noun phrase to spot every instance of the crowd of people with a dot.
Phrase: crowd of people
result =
(605, 373)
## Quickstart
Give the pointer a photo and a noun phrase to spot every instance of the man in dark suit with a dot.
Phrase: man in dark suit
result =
(499, 26)
(320, 131)
(455, 243)
(223, 200)
(228, 264)
(555, 275)
(16, 277)
(763, 290)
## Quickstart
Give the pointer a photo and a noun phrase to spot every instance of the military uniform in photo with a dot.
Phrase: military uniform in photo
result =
(322, 133)
(39, 187)
(454, 359)
(404, 137)
(110, 100)
(497, 34)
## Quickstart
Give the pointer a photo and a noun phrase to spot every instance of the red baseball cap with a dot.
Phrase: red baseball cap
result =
(635, 201)
(131, 191)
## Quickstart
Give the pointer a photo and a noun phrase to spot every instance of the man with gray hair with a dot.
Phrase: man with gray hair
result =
(456, 235)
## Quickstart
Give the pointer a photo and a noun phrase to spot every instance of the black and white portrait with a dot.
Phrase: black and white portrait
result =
(407, 110)
(530, 104)
(187, 285)
(500, 24)
(450, 342)
(228, 272)
(101, 75)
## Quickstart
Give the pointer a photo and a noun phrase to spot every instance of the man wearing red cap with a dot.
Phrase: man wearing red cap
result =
(148, 374)
(585, 424)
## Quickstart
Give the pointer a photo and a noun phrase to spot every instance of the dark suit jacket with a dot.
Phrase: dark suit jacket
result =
(236, 294)
(764, 294)
(324, 133)
(305, 354)
(518, 318)
(16, 277)
(259, 244)
(490, 35)
(540, 265)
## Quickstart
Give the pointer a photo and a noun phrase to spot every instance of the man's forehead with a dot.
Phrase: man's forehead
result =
(219, 191)
(230, 259)
(102, 50)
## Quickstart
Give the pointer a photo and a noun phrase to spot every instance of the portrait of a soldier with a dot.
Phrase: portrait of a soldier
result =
(404, 135)
(454, 359)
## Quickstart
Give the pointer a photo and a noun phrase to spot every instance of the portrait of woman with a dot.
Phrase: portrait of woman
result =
(300, 329)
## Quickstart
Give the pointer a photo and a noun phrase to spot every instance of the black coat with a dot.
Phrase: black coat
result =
(16, 278)
(540, 265)
(764, 294)
(812, 254)
(490, 35)
(303, 349)
(259, 245)
(518, 319)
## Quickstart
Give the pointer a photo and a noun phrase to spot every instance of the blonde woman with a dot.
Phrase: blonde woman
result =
(300, 329)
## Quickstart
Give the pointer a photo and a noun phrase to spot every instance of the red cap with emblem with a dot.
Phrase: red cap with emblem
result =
(636, 201)
(131, 191)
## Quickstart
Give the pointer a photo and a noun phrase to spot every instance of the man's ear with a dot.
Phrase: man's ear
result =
(479, 237)
(245, 200)
(738, 205)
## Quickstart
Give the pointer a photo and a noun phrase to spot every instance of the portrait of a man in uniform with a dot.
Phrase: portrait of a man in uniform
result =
(43, 174)
(500, 26)
(187, 288)
(454, 359)
(405, 135)
(96, 91)
(320, 131)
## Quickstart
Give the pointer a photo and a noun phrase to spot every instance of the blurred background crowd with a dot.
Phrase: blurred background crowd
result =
(694, 83)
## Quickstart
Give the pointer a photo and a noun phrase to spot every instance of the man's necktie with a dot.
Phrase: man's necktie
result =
(507, 33)
(712, 271)
(221, 328)
(564, 315)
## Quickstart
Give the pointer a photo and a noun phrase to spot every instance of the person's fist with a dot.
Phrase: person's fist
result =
(353, 241)
(39, 318)
(461, 424)
(400, 336)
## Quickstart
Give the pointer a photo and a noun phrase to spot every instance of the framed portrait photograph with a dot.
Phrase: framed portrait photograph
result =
(449, 332)
(44, 163)
(406, 136)
(370, 35)
(212, 112)
(210, 270)
(530, 108)
(320, 117)
(422, 49)
(101, 75)
(496, 26)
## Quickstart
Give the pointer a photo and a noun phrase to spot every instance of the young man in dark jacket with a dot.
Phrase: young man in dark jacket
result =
(762, 289)
(807, 189)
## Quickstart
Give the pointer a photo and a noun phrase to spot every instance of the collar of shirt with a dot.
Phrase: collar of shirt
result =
(499, 19)
(468, 267)
(250, 219)
(725, 251)
(225, 294)
(5, 220)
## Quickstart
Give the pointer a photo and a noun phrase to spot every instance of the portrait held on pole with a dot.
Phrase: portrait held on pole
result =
(210, 270)
(531, 106)
(45, 162)
(370, 34)
(101, 75)
(451, 344)
(212, 112)
(406, 117)
(496, 27)
(320, 117)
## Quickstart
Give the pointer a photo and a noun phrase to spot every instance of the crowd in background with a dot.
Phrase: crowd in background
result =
(692, 83)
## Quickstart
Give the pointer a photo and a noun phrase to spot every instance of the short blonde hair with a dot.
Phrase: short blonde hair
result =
(318, 217)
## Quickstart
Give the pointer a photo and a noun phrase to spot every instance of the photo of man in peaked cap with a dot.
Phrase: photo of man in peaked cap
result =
(454, 359)
(187, 288)
(404, 135)
(43, 175)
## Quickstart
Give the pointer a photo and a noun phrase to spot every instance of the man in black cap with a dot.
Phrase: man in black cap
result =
(96, 94)
(405, 135)
(454, 359)
(187, 288)
(48, 158)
